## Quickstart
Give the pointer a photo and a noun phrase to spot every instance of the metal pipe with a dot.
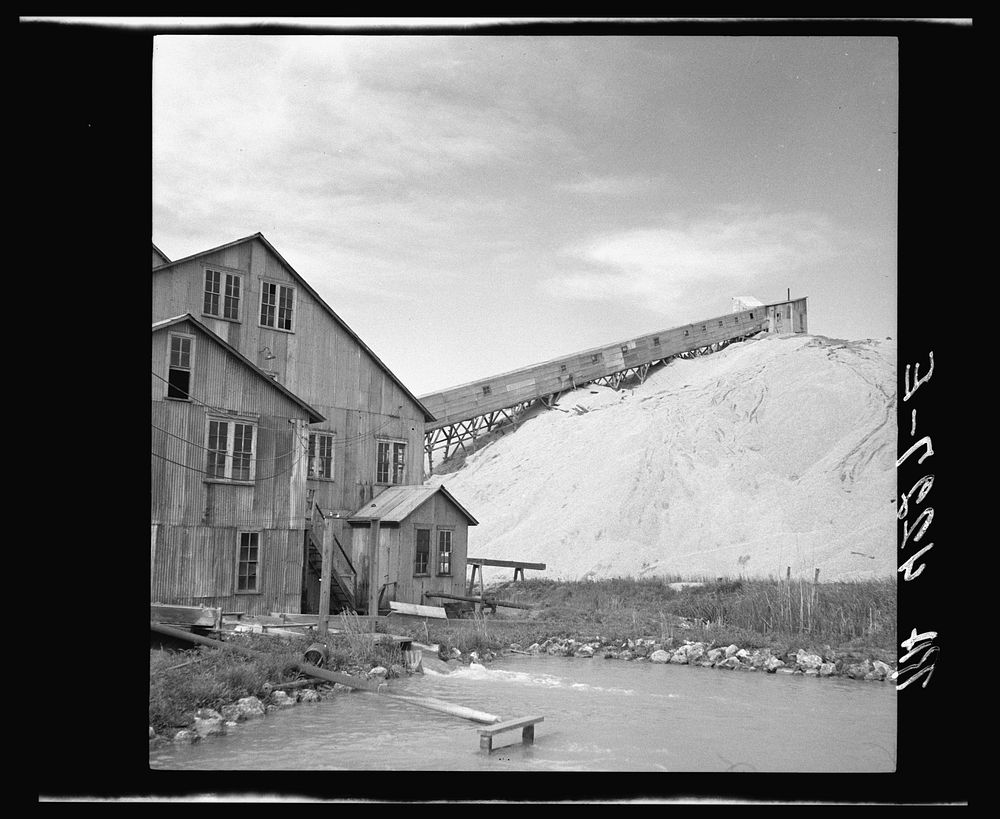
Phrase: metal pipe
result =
(305, 668)
(343, 679)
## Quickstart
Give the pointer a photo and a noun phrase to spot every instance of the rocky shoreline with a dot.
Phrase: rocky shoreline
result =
(828, 664)
(208, 722)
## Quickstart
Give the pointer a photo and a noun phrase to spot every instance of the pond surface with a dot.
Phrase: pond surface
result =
(599, 716)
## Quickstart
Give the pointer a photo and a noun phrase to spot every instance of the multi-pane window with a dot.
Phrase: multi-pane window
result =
(231, 450)
(276, 301)
(180, 366)
(222, 294)
(320, 455)
(390, 462)
(246, 569)
(423, 551)
(444, 551)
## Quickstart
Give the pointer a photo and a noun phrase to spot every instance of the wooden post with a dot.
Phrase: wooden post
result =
(373, 586)
(326, 579)
(788, 575)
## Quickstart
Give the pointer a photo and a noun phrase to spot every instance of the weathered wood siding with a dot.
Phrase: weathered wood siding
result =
(319, 361)
(787, 317)
(397, 552)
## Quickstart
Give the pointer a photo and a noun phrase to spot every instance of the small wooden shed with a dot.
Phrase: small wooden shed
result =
(408, 541)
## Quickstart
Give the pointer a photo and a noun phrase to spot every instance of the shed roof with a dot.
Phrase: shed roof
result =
(161, 254)
(428, 416)
(313, 414)
(396, 503)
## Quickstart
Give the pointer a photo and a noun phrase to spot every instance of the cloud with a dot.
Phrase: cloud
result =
(738, 247)
(613, 186)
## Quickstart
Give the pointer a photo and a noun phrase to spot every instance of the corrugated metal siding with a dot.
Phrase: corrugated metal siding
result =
(196, 565)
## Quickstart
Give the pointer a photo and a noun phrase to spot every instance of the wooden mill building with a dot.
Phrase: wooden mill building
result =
(228, 476)
(368, 430)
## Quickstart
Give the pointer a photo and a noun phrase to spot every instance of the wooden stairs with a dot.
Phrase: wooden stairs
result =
(342, 585)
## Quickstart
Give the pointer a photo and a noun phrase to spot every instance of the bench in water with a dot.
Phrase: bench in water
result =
(527, 724)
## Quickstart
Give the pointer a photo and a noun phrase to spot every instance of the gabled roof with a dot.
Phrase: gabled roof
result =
(397, 503)
(428, 416)
(160, 253)
(314, 415)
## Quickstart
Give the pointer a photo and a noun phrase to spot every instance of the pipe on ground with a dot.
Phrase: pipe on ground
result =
(332, 676)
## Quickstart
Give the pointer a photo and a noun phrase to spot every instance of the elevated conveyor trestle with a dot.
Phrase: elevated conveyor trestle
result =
(468, 412)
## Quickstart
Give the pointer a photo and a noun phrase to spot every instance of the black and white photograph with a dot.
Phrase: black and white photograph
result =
(536, 396)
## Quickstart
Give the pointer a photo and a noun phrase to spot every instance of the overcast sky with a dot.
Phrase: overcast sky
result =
(473, 204)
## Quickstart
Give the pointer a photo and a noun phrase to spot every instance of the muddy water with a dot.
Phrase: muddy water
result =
(599, 716)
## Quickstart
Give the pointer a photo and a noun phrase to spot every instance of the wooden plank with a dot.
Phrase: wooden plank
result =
(446, 708)
(437, 612)
(509, 725)
(485, 601)
(183, 615)
(508, 564)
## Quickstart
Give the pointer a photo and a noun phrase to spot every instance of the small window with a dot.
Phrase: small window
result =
(390, 464)
(656, 341)
(720, 323)
(231, 447)
(422, 552)
(703, 327)
(222, 294)
(687, 332)
(247, 578)
(751, 314)
(624, 348)
(594, 359)
(444, 552)
(321, 455)
(562, 368)
(180, 367)
(276, 303)
(487, 390)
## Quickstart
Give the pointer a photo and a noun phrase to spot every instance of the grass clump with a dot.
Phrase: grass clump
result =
(182, 682)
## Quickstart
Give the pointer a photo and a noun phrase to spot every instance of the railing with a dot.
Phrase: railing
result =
(346, 579)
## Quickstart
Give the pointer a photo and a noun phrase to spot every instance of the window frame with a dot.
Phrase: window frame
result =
(172, 334)
(316, 435)
(392, 443)
(277, 305)
(450, 531)
(416, 551)
(256, 535)
(229, 453)
(225, 274)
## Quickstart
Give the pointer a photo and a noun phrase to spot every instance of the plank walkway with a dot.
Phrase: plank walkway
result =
(526, 724)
